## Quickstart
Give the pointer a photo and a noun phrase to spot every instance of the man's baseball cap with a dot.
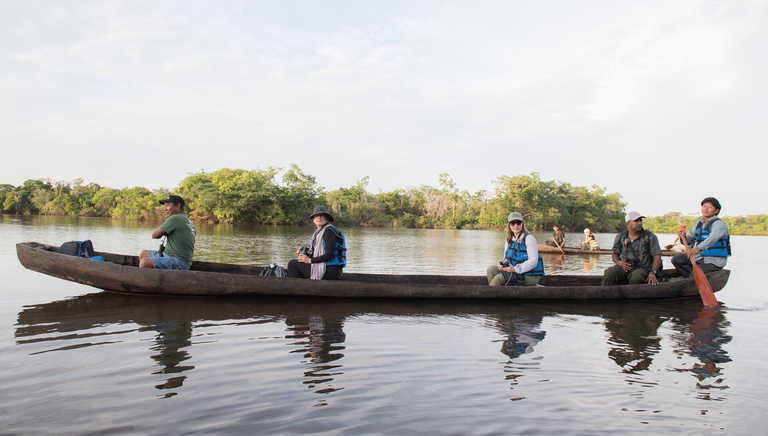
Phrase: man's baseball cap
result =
(175, 199)
(633, 216)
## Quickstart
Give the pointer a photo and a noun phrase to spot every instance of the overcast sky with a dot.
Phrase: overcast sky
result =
(660, 101)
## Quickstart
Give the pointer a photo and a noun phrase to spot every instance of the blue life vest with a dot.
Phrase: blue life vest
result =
(517, 253)
(721, 248)
(340, 250)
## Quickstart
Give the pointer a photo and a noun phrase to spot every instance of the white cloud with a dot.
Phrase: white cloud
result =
(581, 92)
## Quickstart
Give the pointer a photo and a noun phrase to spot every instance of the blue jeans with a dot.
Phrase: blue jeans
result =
(167, 261)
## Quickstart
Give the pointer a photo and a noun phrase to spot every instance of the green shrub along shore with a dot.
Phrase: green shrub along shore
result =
(275, 196)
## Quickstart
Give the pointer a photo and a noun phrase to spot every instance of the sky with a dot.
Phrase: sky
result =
(659, 101)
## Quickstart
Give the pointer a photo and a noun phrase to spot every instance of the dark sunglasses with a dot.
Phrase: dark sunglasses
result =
(515, 222)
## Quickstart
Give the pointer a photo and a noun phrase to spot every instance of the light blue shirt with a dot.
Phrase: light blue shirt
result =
(532, 248)
(717, 231)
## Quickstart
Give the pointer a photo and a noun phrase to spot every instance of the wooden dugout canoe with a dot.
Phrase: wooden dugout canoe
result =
(545, 248)
(119, 273)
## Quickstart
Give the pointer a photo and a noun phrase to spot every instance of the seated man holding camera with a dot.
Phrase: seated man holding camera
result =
(180, 233)
(326, 255)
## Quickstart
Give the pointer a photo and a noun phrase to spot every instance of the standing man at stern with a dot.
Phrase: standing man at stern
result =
(709, 241)
(636, 253)
(180, 233)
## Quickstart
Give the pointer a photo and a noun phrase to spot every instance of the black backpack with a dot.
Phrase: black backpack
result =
(273, 270)
(78, 248)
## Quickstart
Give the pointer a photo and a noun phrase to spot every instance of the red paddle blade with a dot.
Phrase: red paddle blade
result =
(705, 289)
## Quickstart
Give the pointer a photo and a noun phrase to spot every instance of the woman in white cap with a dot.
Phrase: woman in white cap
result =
(326, 255)
(590, 243)
(522, 264)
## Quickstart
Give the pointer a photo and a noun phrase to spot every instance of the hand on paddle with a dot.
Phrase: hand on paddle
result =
(702, 283)
(690, 252)
(510, 268)
(559, 246)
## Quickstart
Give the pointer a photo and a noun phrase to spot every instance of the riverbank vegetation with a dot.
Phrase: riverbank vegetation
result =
(737, 225)
(275, 196)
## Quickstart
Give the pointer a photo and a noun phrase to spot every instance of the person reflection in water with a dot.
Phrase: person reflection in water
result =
(522, 340)
(590, 262)
(557, 264)
(172, 338)
(322, 339)
(633, 339)
(522, 332)
(703, 337)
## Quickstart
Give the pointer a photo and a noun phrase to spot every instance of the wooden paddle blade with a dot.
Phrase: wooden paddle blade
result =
(705, 289)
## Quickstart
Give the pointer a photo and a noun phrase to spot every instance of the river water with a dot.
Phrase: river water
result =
(76, 360)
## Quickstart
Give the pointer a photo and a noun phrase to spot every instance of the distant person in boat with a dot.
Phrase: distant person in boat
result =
(326, 255)
(709, 242)
(677, 245)
(179, 231)
(557, 239)
(590, 243)
(636, 253)
(522, 264)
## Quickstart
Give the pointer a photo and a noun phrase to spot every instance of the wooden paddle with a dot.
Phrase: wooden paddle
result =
(702, 283)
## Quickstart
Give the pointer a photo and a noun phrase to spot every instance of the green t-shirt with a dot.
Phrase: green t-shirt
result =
(181, 237)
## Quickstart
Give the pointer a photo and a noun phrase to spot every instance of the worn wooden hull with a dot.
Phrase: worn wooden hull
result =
(119, 273)
(544, 248)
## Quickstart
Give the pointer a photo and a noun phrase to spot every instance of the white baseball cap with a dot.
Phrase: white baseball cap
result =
(633, 216)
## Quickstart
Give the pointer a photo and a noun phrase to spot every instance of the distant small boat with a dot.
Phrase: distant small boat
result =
(545, 248)
(119, 273)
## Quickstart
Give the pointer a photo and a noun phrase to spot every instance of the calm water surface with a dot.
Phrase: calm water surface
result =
(76, 360)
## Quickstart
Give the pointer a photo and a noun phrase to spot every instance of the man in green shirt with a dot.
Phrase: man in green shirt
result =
(180, 244)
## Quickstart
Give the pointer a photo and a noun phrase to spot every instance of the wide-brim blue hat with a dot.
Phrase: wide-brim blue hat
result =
(321, 210)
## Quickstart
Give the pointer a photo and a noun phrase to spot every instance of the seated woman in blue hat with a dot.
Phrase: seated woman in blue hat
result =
(522, 264)
(326, 255)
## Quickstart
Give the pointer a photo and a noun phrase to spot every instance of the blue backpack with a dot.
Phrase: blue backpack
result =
(79, 249)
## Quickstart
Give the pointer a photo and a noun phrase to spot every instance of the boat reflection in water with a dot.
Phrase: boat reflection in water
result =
(314, 330)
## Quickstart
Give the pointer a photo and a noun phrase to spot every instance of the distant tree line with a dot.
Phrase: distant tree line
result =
(737, 225)
(277, 196)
